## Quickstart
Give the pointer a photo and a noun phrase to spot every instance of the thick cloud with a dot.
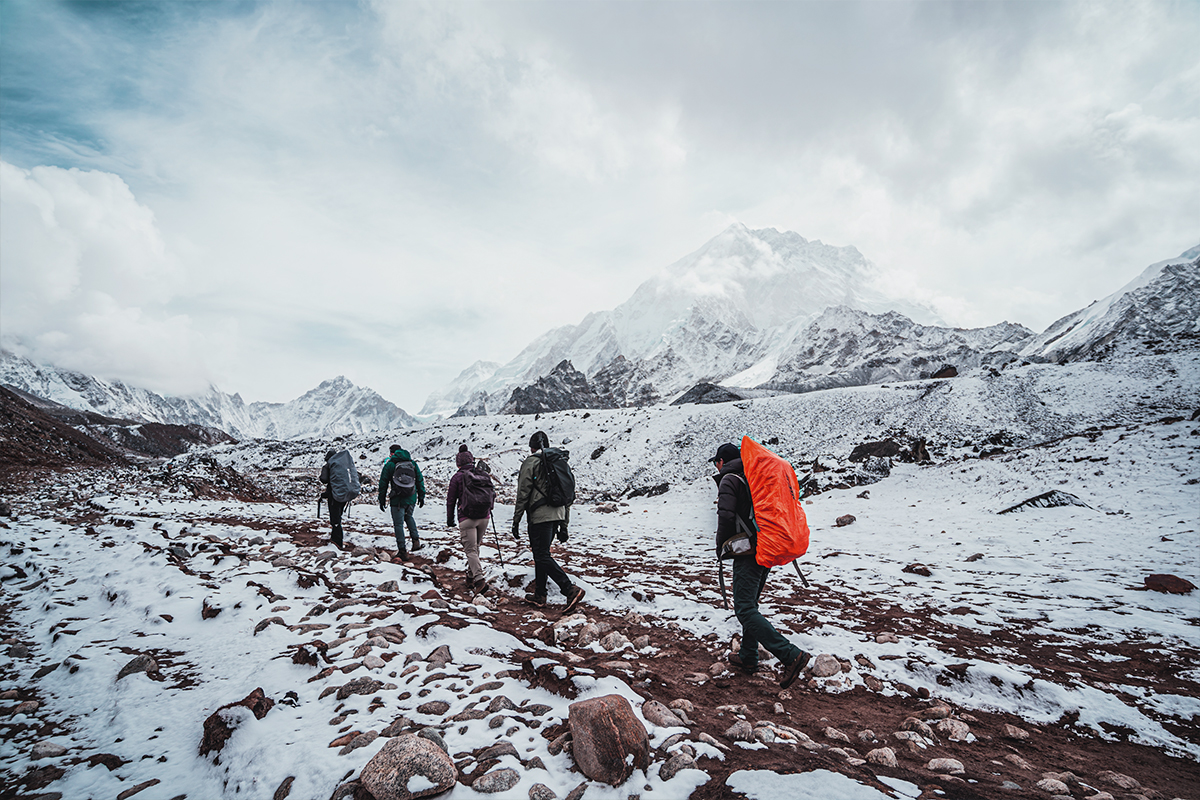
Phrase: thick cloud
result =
(392, 191)
(87, 280)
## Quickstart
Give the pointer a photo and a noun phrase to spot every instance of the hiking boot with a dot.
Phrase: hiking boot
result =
(416, 545)
(482, 586)
(402, 555)
(538, 600)
(574, 595)
(736, 660)
(793, 670)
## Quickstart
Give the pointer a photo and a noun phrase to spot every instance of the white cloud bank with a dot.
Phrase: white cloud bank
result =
(86, 280)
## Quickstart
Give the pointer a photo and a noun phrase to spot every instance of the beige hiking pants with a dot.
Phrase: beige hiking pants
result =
(471, 533)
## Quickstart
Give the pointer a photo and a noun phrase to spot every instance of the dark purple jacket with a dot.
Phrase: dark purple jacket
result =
(453, 492)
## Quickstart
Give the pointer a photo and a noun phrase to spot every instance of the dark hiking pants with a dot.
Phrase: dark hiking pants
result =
(335, 521)
(544, 565)
(401, 516)
(749, 578)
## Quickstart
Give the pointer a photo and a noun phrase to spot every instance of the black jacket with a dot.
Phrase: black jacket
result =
(733, 500)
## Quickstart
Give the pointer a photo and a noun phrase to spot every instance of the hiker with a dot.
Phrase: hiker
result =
(472, 493)
(545, 521)
(402, 475)
(749, 577)
(341, 486)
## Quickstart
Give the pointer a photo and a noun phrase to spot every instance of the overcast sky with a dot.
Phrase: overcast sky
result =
(266, 195)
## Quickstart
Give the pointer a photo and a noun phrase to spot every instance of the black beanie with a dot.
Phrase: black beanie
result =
(539, 440)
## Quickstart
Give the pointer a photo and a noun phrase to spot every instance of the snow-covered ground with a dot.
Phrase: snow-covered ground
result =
(1040, 614)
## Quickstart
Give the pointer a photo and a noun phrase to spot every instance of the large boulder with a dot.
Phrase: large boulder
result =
(221, 724)
(608, 740)
(408, 766)
(1169, 584)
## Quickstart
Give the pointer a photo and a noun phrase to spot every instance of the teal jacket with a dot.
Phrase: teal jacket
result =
(385, 481)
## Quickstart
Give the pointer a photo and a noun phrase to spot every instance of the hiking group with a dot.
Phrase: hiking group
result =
(545, 492)
(760, 525)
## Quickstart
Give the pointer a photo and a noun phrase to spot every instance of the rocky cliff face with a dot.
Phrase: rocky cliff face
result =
(564, 388)
(335, 408)
(1158, 312)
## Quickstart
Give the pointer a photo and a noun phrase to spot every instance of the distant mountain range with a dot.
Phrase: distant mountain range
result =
(335, 408)
(759, 311)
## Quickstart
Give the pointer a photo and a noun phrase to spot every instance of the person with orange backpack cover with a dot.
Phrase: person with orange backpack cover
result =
(737, 540)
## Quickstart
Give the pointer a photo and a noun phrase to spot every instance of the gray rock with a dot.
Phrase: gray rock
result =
(362, 740)
(433, 735)
(363, 685)
(674, 764)
(614, 641)
(46, 749)
(641, 642)
(947, 766)
(658, 714)
(1013, 732)
(887, 638)
(954, 730)
(1119, 780)
(441, 656)
(496, 751)
(587, 634)
(500, 703)
(407, 767)
(19, 651)
(836, 735)
(918, 726)
(825, 666)
(142, 663)
(740, 731)
(764, 735)
(1053, 786)
(540, 791)
(884, 756)
(686, 705)
(498, 780)
(434, 707)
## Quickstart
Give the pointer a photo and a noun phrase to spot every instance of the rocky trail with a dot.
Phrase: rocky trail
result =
(143, 601)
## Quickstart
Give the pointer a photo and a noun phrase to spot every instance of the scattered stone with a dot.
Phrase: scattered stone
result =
(388, 586)
(363, 685)
(1119, 780)
(208, 610)
(1018, 762)
(918, 726)
(974, 557)
(44, 671)
(221, 724)
(884, 756)
(641, 642)
(284, 789)
(1013, 732)
(434, 707)
(939, 711)
(683, 704)
(27, 707)
(361, 740)
(1053, 786)
(614, 641)
(130, 792)
(918, 569)
(374, 662)
(19, 651)
(658, 714)
(46, 749)
(887, 638)
(558, 743)
(432, 734)
(946, 766)
(836, 735)
(1169, 584)
(873, 683)
(142, 663)
(741, 731)
(674, 764)
(407, 767)
(498, 780)
(764, 735)
(954, 730)
(441, 656)
(867, 735)
(825, 666)
(608, 740)
(778, 709)
(540, 791)
(266, 623)
(844, 520)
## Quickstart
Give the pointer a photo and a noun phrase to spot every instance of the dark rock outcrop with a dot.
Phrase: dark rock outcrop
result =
(564, 388)
(220, 725)
(608, 740)
(707, 393)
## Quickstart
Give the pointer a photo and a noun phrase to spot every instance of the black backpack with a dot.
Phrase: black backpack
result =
(344, 484)
(557, 482)
(404, 478)
(478, 494)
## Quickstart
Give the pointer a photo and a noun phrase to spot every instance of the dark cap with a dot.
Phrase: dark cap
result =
(726, 452)
(394, 448)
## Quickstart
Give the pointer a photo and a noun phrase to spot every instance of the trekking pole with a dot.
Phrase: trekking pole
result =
(499, 549)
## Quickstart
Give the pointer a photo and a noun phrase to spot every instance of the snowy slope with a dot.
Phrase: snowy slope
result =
(1157, 311)
(334, 408)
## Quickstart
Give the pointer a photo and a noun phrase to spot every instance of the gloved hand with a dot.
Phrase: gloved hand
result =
(381, 507)
(561, 533)
(421, 503)
(516, 532)
(450, 522)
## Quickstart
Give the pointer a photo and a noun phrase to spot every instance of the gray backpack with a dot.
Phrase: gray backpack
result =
(404, 478)
(344, 484)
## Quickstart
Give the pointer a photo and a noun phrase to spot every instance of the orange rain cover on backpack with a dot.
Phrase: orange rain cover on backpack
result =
(775, 493)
